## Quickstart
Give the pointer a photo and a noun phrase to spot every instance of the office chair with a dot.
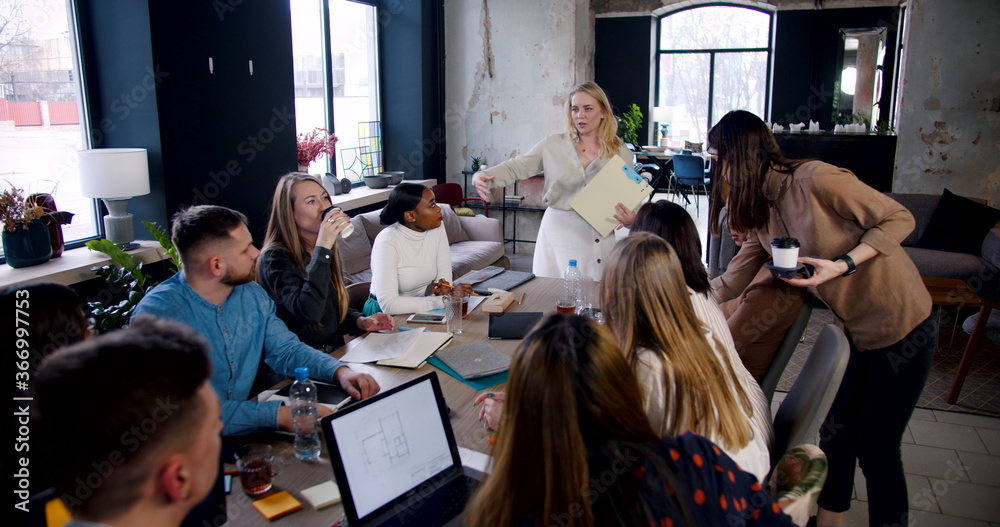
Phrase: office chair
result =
(451, 193)
(691, 172)
(787, 347)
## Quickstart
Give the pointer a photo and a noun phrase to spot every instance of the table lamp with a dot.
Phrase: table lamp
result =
(663, 115)
(115, 175)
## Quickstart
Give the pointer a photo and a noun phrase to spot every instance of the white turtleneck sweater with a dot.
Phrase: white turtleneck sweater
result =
(404, 263)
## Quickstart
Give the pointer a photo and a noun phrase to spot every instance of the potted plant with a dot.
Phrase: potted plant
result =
(314, 144)
(478, 163)
(25, 235)
(629, 123)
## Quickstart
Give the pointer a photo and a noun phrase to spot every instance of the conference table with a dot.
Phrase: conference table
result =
(540, 295)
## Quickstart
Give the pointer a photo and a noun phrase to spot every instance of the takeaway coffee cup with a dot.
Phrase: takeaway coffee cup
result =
(347, 230)
(785, 252)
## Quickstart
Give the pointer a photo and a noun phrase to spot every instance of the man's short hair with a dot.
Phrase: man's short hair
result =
(108, 405)
(200, 224)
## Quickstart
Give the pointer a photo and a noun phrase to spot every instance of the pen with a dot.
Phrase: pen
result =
(519, 300)
(449, 286)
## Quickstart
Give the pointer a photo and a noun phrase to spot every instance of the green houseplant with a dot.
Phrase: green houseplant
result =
(126, 278)
(629, 123)
(25, 235)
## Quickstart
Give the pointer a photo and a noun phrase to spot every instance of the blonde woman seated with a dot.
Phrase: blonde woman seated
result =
(681, 362)
(688, 382)
(299, 267)
(410, 258)
(578, 450)
(672, 222)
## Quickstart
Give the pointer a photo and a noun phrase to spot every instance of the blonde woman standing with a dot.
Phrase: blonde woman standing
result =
(569, 160)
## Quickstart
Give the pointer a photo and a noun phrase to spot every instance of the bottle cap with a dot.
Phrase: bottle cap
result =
(572, 263)
(301, 373)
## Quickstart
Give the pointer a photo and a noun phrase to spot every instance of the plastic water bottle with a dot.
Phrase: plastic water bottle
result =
(305, 416)
(571, 284)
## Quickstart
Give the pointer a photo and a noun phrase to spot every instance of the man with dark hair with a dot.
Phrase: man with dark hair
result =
(217, 296)
(130, 424)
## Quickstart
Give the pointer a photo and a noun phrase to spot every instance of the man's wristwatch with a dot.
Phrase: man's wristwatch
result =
(851, 267)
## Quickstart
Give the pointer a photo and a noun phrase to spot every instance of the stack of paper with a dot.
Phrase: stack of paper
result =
(402, 349)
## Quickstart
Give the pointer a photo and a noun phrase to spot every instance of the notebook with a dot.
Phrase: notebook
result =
(483, 280)
(475, 360)
(512, 325)
(427, 343)
(395, 458)
(330, 395)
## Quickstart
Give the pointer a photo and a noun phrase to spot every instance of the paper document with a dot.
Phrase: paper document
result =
(381, 346)
(616, 183)
(427, 343)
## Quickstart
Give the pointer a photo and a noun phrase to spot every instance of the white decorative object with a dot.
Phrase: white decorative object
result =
(115, 175)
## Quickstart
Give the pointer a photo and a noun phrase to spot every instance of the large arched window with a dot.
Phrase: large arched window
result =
(711, 60)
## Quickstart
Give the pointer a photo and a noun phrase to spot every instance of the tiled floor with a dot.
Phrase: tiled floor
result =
(952, 460)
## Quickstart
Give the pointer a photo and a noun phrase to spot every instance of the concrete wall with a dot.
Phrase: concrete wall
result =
(949, 118)
(508, 69)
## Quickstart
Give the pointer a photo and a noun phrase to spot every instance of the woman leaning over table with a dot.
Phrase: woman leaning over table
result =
(576, 448)
(569, 160)
(299, 267)
(411, 258)
(844, 227)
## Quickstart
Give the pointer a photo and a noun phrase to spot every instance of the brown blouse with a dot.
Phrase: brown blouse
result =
(831, 211)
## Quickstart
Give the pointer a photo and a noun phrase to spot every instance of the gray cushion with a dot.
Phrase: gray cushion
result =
(355, 251)
(992, 332)
(922, 206)
(471, 255)
(943, 264)
(452, 226)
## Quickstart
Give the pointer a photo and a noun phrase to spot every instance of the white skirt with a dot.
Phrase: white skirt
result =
(563, 236)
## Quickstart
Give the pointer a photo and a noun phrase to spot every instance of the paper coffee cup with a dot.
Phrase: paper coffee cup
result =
(785, 252)
(347, 230)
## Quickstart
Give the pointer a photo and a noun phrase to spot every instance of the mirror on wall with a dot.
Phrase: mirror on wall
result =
(861, 76)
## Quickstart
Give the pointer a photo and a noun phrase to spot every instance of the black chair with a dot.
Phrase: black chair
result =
(793, 335)
(690, 173)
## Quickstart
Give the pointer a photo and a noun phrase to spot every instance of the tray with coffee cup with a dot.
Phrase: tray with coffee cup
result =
(785, 263)
(803, 269)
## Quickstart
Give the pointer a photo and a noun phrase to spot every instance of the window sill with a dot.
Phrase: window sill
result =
(74, 266)
(362, 196)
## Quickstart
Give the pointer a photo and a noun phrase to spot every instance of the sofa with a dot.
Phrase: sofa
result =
(475, 242)
(983, 266)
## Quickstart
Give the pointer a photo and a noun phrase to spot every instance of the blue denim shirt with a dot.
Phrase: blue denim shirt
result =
(239, 331)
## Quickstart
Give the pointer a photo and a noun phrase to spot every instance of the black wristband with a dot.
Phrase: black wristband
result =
(851, 267)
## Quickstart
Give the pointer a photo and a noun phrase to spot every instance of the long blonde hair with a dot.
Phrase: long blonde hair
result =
(573, 407)
(649, 307)
(607, 132)
(283, 233)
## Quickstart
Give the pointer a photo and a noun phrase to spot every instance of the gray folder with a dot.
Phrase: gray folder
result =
(475, 360)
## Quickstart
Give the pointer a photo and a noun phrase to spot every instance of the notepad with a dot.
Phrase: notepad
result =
(616, 183)
(322, 495)
(380, 346)
(329, 395)
(426, 344)
(512, 325)
(277, 505)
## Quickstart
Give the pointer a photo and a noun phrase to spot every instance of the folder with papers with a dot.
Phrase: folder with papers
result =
(616, 183)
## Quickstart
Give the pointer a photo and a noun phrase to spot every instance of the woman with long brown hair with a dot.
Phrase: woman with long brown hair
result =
(570, 160)
(299, 268)
(576, 448)
(851, 233)
(681, 362)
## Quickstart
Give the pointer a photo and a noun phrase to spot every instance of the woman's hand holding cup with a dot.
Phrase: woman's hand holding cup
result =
(335, 222)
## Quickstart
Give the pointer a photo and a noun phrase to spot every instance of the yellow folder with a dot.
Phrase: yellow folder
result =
(616, 183)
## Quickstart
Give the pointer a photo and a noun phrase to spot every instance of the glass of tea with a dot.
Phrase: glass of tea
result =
(257, 468)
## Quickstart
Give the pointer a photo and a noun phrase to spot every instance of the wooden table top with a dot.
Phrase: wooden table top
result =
(951, 292)
(295, 476)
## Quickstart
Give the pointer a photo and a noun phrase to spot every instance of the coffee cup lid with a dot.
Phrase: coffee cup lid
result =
(785, 243)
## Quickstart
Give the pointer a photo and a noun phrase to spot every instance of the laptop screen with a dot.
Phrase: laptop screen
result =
(392, 445)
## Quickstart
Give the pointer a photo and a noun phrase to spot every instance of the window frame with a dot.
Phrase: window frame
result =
(712, 52)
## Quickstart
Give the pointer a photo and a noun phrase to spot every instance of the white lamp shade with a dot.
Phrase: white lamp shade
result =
(111, 173)
(663, 114)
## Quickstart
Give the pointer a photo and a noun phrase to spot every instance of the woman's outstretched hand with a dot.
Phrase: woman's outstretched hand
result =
(481, 181)
(376, 322)
(823, 271)
(492, 408)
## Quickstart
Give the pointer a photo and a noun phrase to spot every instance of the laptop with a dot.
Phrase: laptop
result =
(396, 461)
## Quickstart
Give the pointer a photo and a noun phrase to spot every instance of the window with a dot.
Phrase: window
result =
(40, 108)
(334, 43)
(712, 60)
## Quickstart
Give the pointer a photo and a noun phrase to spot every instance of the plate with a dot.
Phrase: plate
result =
(654, 148)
